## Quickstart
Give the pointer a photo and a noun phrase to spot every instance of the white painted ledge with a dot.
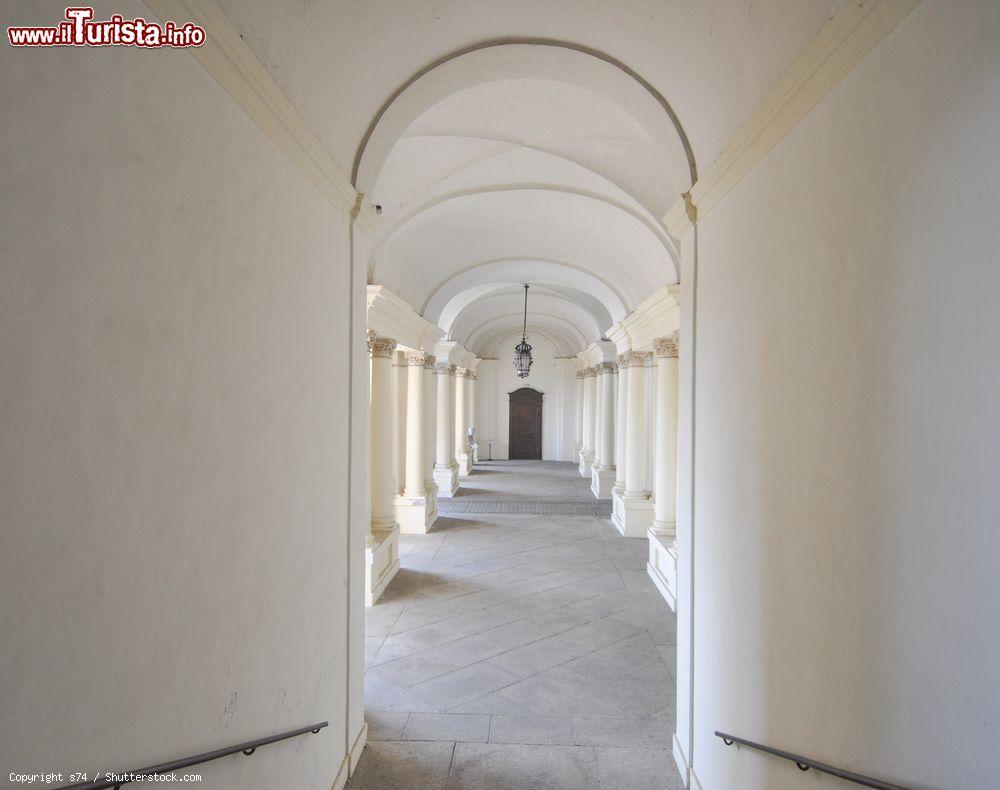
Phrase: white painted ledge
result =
(381, 563)
(662, 565)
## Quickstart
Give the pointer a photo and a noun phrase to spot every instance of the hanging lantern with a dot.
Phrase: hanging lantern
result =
(522, 351)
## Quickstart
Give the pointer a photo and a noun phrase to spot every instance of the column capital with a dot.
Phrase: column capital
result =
(607, 367)
(636, 359)
(430, 362)
(379, 346)
(416, 359)
(589, 373)
(471, 375)
(580, 374)
(667, 346)
(444, 369)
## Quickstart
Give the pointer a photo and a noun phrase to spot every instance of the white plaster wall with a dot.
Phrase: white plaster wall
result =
(549, 374)
(173, 431)
(847, 603)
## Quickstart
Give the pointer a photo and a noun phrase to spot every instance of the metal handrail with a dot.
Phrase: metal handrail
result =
(805, 763)
(247, 748)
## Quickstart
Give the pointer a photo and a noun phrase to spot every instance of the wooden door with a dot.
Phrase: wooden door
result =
(525, 424)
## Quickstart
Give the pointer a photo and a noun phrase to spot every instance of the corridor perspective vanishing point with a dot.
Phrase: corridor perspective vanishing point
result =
(467, 395)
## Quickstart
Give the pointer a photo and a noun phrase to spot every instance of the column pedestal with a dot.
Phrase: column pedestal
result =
(632, 515)
(381, 562)
(416, 515)
(602, 481)
(662, 565)
(446, 478)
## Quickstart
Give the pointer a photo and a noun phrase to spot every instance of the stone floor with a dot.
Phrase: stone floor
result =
(520, 652)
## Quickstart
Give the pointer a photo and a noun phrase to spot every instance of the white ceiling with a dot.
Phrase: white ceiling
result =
(548, 161)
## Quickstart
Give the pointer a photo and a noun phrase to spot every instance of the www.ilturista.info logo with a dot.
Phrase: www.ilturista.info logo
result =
(79, 29)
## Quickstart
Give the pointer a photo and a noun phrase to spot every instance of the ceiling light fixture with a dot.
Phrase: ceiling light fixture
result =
(522, 351)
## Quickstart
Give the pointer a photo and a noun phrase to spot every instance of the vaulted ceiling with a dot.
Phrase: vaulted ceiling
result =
(515, 141)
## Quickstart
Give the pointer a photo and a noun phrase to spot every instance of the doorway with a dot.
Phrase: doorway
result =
(525, 437)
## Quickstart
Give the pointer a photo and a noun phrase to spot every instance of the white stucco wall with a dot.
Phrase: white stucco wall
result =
(550, 374)
(847, 603)
(173, 330)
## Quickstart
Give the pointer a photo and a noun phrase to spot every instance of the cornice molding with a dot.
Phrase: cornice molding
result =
(854, 29)
(454, 353)
(657, 316)
(390, 315)
(227, 58)
(597, 352)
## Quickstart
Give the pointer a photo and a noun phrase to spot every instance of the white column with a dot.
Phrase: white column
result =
(414, 424)
(632, 510)
(445, 468)
(578, 416)
(430, 422)
(462, 421)
(665, 469)
(416, 507)
(635, 426)
(471, 407)
(620, 417)
(398, 377)
(382, 540)
(589, 412)
(603, 473)
(383, 511)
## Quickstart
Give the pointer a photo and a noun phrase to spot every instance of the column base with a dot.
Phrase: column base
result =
(662, 565)
(381, 562)
(464, 461)
(446, 478)
(416, 515)
(602, 479)
(586, 462)
(632, 515)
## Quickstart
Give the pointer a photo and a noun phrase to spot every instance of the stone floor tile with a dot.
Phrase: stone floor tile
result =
(604, 605)
(638, 769)
(538, 656)
(463, 685)
(396, 765)
(488, 766)
(383, 695)
(563, 618)
(447, 727)
(528, 625)
(385, 725)
(600, 632)
(528, 729)
(632, 732)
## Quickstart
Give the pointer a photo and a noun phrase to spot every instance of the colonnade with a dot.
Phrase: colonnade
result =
(616, 423)
(433, 418)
